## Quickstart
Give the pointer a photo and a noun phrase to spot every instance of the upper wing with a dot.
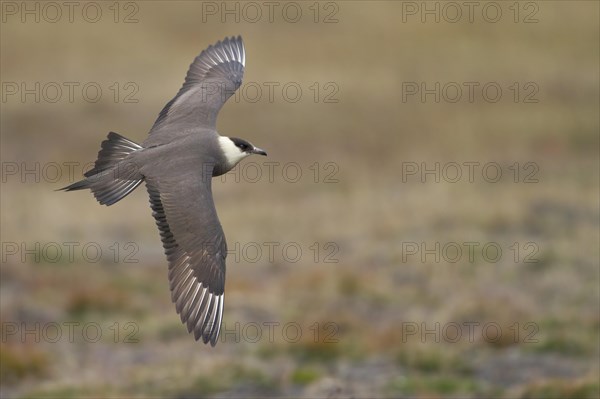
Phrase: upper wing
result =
(196, 249)
(212, 78)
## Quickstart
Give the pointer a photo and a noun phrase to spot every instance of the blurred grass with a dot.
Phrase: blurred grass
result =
(588, 388)
(20, 362)
(369, 133)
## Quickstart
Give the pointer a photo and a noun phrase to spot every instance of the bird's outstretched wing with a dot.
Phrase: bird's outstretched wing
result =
(212, 78)
(196, 249)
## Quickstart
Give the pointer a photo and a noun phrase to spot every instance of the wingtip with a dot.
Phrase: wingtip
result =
(229, 39)
(235, 42)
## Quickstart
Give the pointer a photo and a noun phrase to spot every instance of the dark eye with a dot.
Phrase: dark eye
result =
(244, 147)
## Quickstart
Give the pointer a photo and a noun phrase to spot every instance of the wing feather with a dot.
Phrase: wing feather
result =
(196, 249)
(212, 78)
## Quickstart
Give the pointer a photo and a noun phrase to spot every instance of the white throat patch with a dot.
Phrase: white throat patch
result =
(233, 154)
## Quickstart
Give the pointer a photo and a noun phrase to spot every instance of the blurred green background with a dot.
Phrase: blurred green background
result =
(379, 302)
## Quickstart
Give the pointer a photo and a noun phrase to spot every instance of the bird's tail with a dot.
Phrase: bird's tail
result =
(113, 176)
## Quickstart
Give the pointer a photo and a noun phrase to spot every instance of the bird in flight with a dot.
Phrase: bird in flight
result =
(177, 161)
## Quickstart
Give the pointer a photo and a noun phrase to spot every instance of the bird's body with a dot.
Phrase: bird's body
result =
(177, 162)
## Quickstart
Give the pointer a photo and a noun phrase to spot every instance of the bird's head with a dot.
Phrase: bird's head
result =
(234, 149)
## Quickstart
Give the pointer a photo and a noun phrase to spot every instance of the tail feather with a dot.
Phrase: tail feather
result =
(113, 150)
(113, 176)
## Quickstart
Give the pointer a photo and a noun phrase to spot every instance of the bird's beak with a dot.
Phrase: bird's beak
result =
(258, 151)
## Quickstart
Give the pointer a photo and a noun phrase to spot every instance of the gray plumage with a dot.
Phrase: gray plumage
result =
(177, 161)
